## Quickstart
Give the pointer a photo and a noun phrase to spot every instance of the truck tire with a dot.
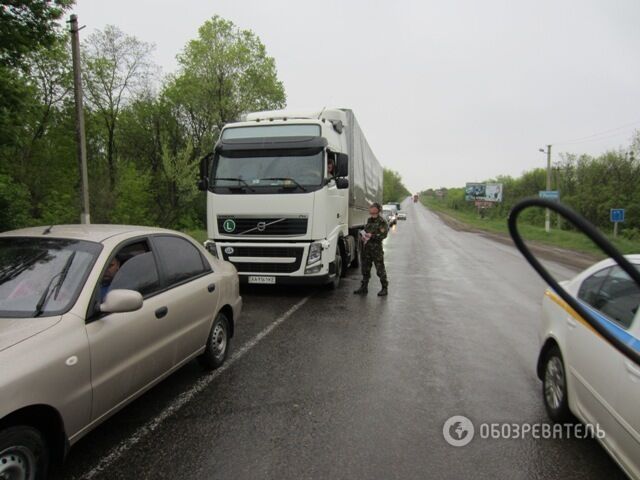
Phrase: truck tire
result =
(335, 283)
(23, 453)
(215, 352)
(355, 263)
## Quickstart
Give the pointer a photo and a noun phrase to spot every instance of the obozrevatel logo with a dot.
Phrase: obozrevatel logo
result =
(458, 431)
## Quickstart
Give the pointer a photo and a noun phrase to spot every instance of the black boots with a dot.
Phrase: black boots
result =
(363, 290)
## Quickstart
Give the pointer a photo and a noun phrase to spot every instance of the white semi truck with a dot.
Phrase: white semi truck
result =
(275, 209)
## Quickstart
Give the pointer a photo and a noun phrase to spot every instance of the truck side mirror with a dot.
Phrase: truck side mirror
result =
(342, 165)
(342, 182)
(203, 183)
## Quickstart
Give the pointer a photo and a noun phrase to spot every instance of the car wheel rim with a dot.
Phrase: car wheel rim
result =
(219, 338)
(17, 463)
(554, 383)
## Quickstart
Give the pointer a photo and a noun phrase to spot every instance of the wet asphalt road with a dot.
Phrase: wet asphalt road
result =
(350, 387)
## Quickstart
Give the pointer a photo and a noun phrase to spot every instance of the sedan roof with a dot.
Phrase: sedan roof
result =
(92, 233)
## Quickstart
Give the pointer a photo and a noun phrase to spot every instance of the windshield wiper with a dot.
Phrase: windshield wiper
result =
(61, 276)
(234, 179)
(8, 274)
(285, 179)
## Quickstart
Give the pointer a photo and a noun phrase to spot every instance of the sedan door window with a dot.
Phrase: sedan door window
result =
(138, 273)
(619, 297)
(181, 260)
(591, 287)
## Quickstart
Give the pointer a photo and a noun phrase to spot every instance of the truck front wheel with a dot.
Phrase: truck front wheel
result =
(337, 262)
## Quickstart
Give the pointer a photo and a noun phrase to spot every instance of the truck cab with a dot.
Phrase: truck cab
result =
(285, 196)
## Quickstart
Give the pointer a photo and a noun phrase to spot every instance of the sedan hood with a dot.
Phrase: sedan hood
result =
(15, 330)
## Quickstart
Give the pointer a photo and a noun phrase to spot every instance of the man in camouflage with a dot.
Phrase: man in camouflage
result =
(375, 231)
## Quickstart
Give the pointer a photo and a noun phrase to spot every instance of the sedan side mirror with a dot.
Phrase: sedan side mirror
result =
(342, 165)
(121, 301)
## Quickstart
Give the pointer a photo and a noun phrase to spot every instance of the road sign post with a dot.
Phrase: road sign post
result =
(616, 215)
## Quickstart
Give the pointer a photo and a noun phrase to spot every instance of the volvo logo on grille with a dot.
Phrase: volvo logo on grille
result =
(261, 226)
(229, 250)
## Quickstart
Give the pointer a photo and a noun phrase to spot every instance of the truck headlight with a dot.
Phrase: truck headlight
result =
(210, 245)
(315, 253)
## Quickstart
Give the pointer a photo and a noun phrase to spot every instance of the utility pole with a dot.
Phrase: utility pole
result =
(81, 142)
(547, 215)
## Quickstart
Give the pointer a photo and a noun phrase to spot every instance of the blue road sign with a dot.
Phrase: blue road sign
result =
(617, 215)
(549, 194)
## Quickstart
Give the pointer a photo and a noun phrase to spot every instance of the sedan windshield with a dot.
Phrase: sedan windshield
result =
(254, 172)
(42, 277)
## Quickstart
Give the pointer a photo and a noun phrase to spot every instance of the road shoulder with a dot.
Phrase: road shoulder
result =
(570, 258)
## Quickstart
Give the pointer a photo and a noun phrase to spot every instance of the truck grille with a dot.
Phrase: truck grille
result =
(229, 225)
(266, 252)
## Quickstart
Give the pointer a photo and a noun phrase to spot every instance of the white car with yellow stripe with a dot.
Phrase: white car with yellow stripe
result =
(582, 373)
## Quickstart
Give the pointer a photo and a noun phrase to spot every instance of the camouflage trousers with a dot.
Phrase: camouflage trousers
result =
(373, 254)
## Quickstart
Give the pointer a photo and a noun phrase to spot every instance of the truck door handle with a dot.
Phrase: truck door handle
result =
(161, 312)
(211, 287)
(633, 370)
(571, 322)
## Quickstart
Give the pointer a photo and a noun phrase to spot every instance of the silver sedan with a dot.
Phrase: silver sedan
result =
(90, 318)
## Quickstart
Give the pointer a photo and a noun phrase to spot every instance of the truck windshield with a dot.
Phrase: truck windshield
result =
(261, 172)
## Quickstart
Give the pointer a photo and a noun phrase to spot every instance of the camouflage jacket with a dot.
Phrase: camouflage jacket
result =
(378, 228)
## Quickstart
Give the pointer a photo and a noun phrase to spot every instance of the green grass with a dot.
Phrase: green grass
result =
(199, 235)
(569, 240)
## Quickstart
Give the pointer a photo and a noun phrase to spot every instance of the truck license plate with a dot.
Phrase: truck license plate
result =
(262, 280)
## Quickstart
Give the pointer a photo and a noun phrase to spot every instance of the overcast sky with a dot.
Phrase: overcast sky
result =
(447, 91)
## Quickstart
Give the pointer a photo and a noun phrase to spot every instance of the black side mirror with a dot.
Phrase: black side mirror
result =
(342, 182)
(342, 165)
(203, 183)
(596, 237)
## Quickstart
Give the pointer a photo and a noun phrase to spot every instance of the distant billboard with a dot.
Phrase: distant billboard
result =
(487, 192)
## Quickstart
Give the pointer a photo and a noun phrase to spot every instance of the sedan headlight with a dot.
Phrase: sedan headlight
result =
(315, 253)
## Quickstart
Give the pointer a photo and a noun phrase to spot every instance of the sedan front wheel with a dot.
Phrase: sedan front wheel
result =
(554, 387)
(23, 454)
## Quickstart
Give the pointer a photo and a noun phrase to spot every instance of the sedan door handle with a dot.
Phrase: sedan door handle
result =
(571, 322)
(211, 287)
(161, 312)
(633, 370)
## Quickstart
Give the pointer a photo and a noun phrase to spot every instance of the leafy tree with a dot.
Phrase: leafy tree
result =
(134, 197)
(117, 67)
(26, 26)
(14, 204)
(223, 73)
(393, 188)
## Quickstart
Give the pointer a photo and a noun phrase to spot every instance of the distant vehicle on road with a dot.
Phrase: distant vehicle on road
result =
(401, 216)
(389, 216)
(415, 198)
(90, 318)
(582, 374)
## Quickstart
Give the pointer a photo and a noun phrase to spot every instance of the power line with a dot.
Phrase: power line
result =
(599, 135)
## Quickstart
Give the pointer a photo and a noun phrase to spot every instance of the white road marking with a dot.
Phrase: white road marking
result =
(185, 397)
